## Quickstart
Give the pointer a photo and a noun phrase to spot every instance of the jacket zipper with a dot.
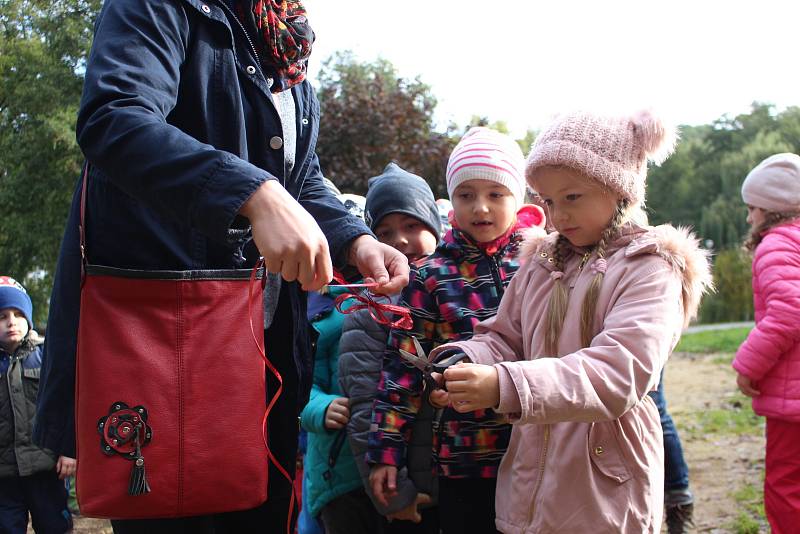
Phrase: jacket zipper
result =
(246, 35)
(258, 66)
(495, 269)
(12, 362)
(545, 445)
(542, 461)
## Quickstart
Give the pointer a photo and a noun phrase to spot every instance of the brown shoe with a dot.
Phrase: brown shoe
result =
(679, 518)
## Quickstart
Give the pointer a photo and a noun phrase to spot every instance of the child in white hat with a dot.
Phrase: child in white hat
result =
(768, 362)
(451, 291)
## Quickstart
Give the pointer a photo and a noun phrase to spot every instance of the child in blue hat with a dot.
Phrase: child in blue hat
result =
(31, 478)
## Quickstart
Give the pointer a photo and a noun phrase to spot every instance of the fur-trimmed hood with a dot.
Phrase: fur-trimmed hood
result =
(678, 246)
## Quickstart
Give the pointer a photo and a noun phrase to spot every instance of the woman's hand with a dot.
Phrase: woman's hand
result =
(379, 263)
(383, 482)
(472, 387)
(299, 251)
(337, 414)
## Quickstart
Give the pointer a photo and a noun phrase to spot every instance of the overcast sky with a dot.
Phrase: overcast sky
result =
(522, 61)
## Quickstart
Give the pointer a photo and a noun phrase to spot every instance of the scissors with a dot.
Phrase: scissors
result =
(421, 362)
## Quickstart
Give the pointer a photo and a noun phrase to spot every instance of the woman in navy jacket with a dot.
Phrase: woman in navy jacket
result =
(188, 141)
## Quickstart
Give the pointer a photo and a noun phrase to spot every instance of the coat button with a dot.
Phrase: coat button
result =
(250, 70)
(275, 143)
(598, 450)
(205, 9)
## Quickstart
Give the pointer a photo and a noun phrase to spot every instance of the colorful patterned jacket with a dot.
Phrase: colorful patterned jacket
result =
(450, 292)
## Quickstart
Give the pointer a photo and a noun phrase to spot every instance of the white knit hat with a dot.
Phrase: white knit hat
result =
(485, 154)
(774, 184)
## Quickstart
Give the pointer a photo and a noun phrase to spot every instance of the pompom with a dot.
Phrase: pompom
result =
(657, 138)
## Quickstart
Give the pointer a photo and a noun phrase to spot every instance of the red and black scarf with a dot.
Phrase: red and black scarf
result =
(286, 40)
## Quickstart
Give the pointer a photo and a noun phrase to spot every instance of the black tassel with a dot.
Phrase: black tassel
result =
(138, 484)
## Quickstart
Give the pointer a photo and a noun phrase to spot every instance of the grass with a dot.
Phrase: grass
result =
(713, 341)
(734, 418)
(751, 518)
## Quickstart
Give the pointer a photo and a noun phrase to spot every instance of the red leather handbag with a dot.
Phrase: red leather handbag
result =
(170, 392)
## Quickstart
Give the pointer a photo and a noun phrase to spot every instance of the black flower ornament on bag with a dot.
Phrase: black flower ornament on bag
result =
(124, 431)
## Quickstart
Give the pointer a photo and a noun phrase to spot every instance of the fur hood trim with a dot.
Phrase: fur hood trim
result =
(679, 247)
(533, 239)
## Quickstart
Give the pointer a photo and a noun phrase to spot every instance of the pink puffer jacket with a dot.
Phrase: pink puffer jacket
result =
(586, 452)
(770, 355)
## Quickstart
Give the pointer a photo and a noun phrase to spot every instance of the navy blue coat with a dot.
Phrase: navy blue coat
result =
(175, 122)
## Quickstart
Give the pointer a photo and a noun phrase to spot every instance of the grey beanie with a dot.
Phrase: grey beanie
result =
(774, 184)
(398, 191)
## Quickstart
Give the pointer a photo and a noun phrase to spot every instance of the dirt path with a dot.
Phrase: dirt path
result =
(720, 464)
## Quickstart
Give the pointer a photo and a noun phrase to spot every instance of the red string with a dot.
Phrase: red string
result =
(381, 312)
(271, 457)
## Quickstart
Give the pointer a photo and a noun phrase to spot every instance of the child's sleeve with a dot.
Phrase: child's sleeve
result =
(619, 367)
(498, 338)
(361, 354)
(400, 387)
(778, 330)
(312, 418)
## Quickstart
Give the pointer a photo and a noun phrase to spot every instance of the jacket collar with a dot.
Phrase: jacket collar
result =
(679, 247)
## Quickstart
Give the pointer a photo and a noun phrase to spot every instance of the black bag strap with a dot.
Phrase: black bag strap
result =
(82, 223)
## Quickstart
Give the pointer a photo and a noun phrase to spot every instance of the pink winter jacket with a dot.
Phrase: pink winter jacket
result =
(770, 355)
(586, 451)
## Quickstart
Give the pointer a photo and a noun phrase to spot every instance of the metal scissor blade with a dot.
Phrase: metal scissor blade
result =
(420, 351)
(416, 361)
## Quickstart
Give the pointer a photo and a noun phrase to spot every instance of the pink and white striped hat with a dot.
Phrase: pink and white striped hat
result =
(486, 154)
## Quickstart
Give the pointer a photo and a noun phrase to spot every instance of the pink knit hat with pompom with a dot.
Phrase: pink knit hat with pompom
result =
(612, 150)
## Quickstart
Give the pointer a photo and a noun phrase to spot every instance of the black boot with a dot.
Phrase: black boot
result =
(679, 518)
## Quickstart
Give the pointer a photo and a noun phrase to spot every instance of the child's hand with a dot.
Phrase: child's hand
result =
(472, 386)
(438, 398)
(66, 467)
(746, 386)
(411, 512)
(337, 414)
(383, 481)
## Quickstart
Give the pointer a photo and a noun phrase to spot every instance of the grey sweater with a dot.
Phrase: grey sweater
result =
(361, 350)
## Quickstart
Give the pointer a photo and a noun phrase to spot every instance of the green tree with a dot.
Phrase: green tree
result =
(43, 46)
(733, 300)
(371, 116)
(527, 142)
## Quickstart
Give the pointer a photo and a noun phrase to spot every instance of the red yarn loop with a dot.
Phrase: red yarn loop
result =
(261, 350)
(381, 312)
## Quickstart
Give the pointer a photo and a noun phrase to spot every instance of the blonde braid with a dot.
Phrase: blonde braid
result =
(557, 308)
(593, 292)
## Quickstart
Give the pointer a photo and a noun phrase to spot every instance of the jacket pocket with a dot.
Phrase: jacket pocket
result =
(32, 373)
(605, 450)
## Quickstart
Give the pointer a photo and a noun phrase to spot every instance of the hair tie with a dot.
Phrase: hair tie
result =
(599, 266)
(557, 275)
